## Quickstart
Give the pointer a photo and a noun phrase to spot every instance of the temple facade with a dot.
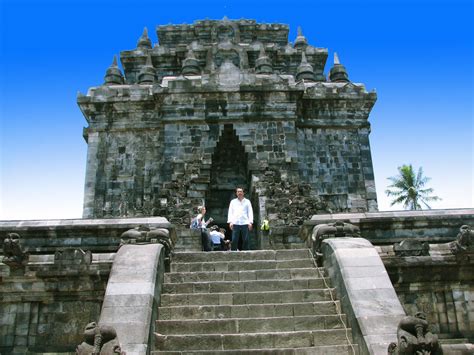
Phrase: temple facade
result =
(222, 103)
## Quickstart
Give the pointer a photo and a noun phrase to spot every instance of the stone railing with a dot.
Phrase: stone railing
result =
(96, 235)
(435, 226)
(57, 275)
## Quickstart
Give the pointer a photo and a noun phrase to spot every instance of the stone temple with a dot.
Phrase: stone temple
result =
(224, 103)
(214, 105)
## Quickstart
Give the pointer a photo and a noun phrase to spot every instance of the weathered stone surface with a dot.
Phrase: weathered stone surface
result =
(15, 257)
(368, 297)
(439, 284)
(414, 337)
(463, 246)
(411, 247)
(390, 227)
(224, 103)
(99, 339)
(72, 256)
(137, 272)
(291, 309)
(61, 285)
(96, 235)
(331, 230)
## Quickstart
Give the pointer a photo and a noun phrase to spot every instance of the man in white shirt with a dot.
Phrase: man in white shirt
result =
(240, 219)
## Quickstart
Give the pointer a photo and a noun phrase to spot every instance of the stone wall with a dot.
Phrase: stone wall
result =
(438, 284)
(96, 235)
(336, 164)
(46, 304)
(47, 300)
(383, 228)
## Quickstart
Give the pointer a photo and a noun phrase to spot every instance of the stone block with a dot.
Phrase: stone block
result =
(307, 323)
(373, 302)
(131, 332)
(358, 261)
(226, 299)
(130, 288)
(246, 275)
(129, 300)
(301, 309)
(363, 272)
(135, 349)
(282, 310)
(377, 344)
(330, 337)
(248, 341)
(170, 343)
(239, 298)
(241, 311)
(368, 283)
(384, 324)
(113, 315)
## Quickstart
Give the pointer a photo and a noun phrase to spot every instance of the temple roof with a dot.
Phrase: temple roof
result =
(214, 42)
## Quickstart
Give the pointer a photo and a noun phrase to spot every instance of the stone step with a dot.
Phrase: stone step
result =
(240, 298)
(248, 311)
(212, 342)
(279, 274)
(187, 246)
(241, 255)
(287, 246)
(240, 265)
(316, 350)
(242, 286)
(249, 325)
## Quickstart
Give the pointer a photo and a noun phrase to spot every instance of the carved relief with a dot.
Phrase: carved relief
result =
(72, 256)
(414, 337)
(463, 246)
(99, 340)
(411, 247)
(146, 235)
(227, 55)
(14, 254)
(332, 230)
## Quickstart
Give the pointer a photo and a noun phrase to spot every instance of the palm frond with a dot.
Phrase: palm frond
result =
(407, 188)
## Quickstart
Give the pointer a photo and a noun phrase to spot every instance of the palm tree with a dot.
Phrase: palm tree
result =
(409, 188)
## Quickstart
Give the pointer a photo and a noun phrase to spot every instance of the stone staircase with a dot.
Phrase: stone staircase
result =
(259, 302)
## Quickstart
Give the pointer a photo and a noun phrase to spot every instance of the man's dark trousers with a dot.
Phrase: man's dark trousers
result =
(237, 231)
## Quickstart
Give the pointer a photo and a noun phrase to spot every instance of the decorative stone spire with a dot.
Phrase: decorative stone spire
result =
(147, 73)
(263, 64)
(338, 73)
(305, 70)
(300, 42)
(113, 75)
(190, 65)
(144, 42)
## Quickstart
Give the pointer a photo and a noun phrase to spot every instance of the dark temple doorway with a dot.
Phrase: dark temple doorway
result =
(228, 170)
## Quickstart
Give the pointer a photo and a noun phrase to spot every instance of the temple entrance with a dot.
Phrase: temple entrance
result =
(228, 170)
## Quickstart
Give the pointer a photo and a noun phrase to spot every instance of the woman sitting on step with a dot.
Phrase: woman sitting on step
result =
(199, 222)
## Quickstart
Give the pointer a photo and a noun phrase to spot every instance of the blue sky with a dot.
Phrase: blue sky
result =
(417, 54)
